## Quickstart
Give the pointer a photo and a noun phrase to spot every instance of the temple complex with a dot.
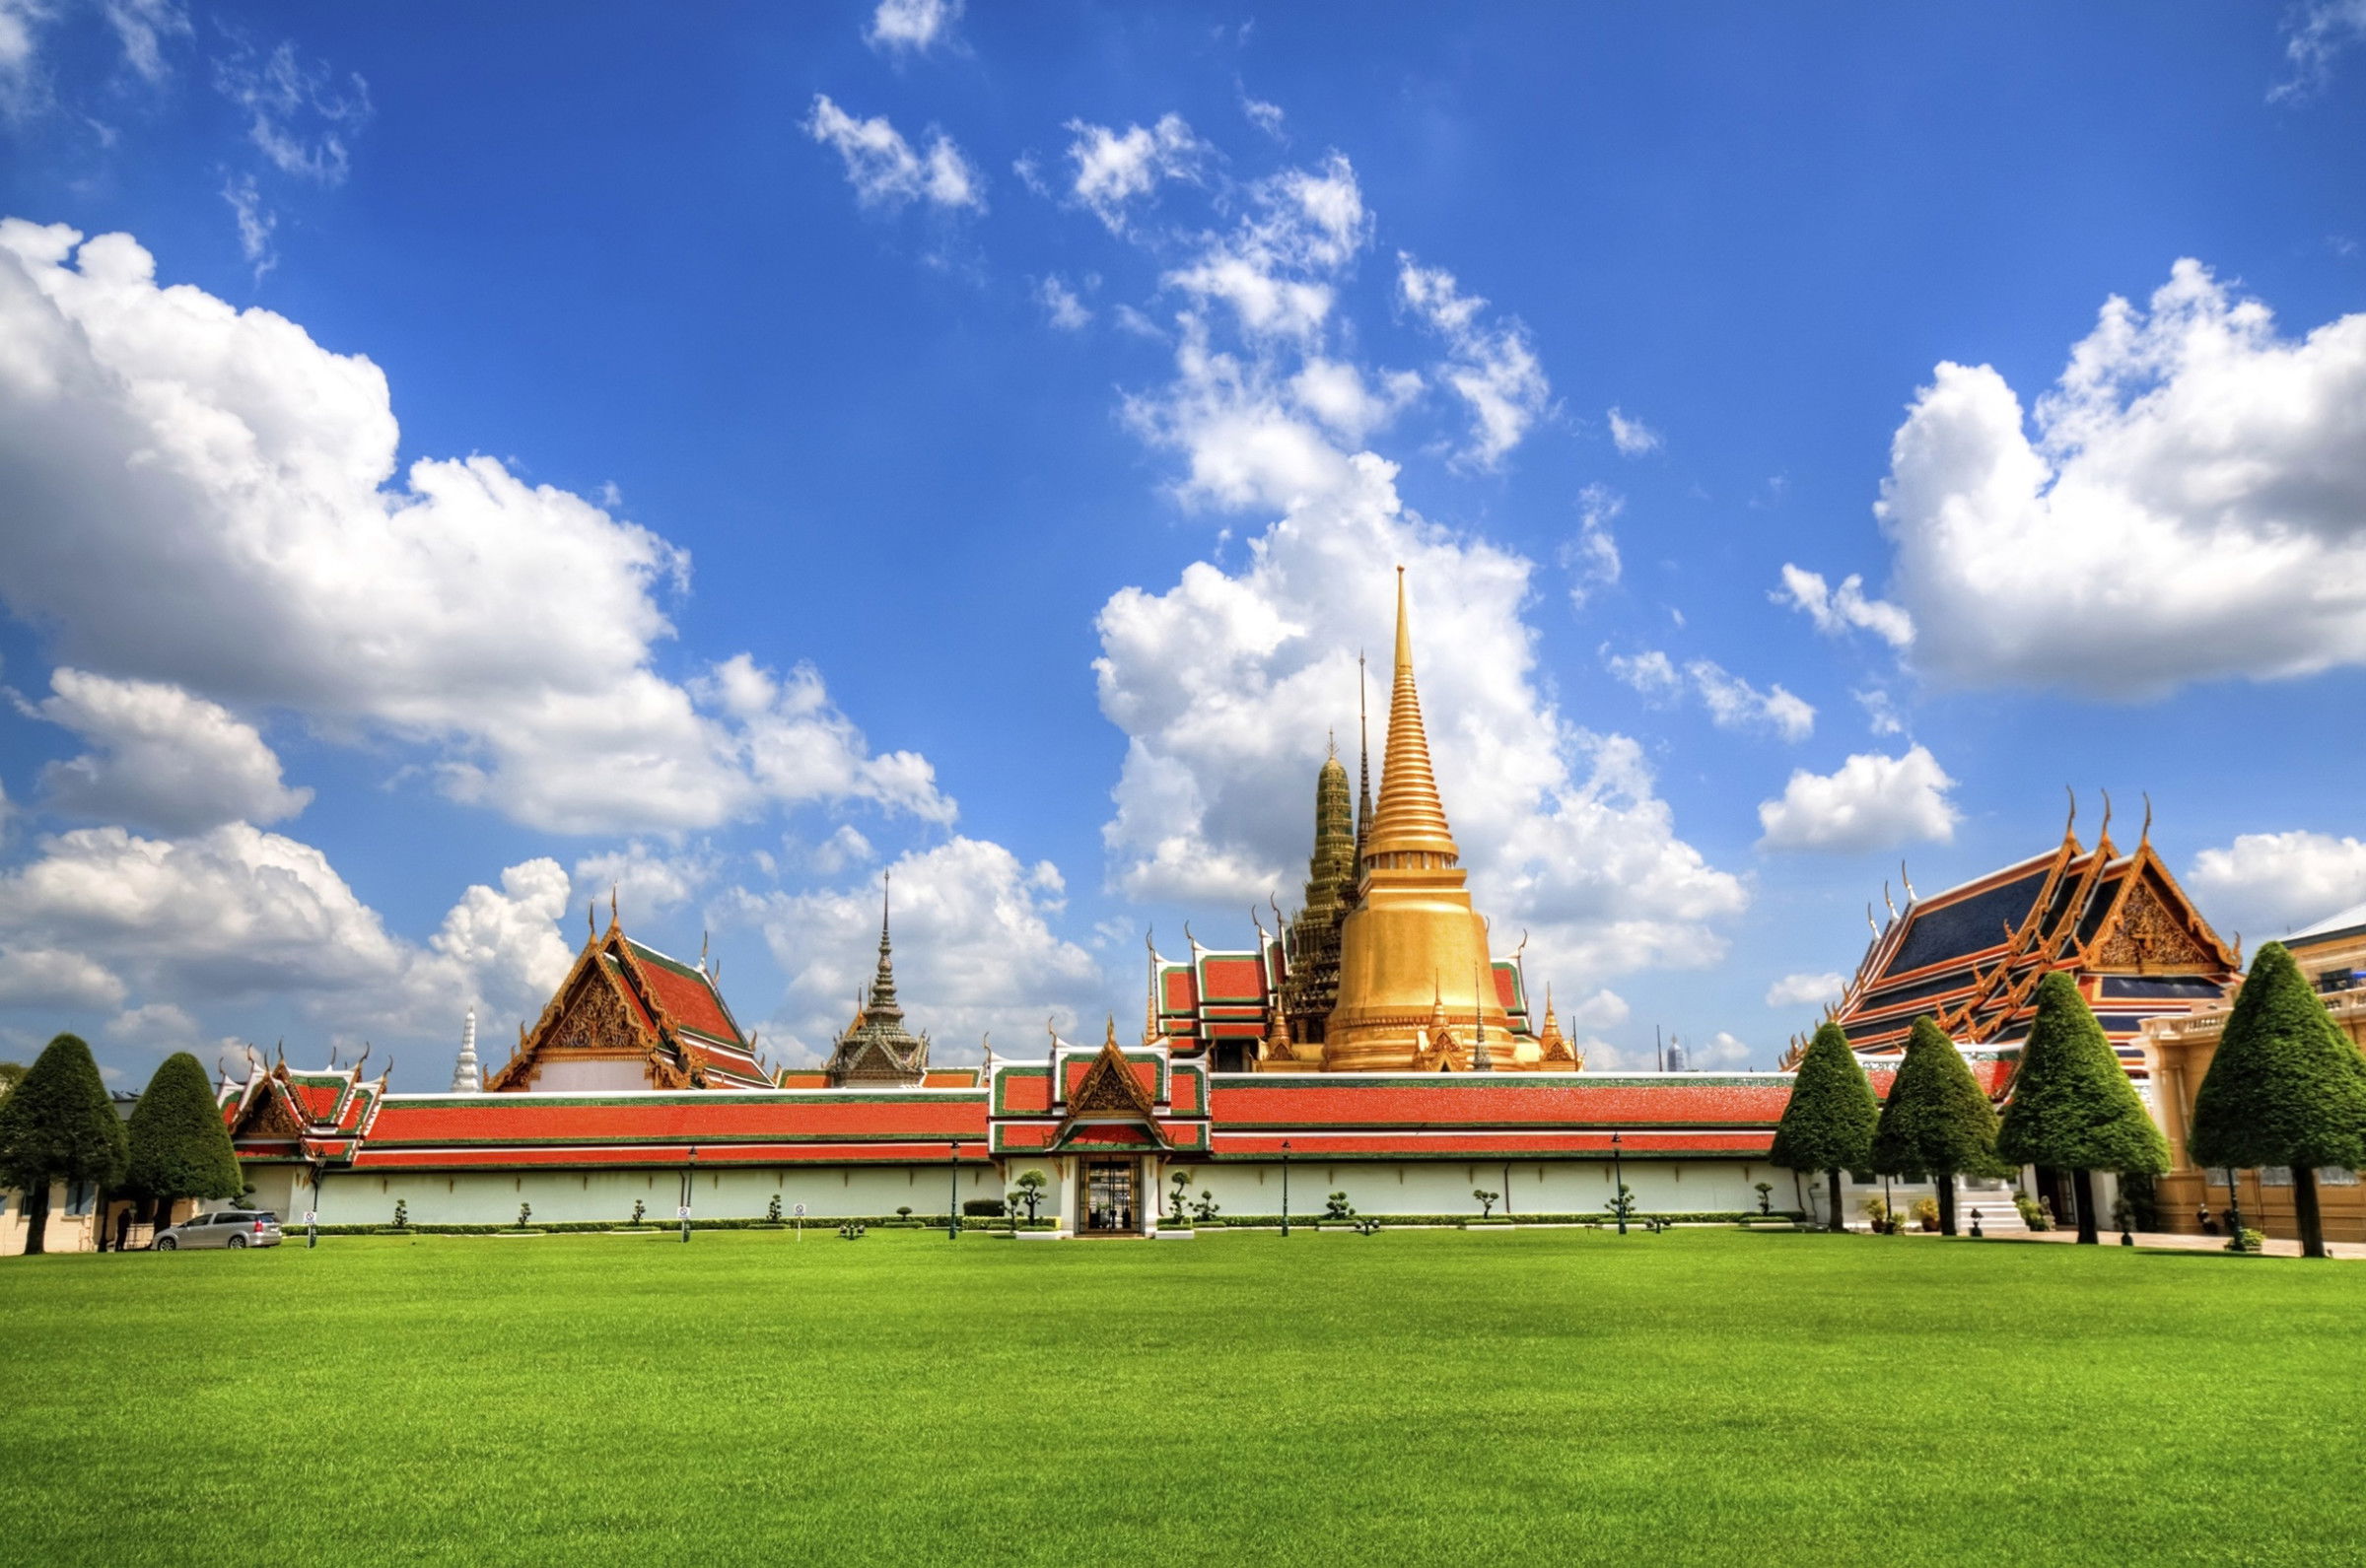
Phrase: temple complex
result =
(1371, 1043)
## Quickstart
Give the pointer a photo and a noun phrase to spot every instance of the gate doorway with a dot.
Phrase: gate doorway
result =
(1110, 1207)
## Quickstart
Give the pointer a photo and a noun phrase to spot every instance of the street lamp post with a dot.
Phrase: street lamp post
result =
(1617, 1182)
(311, 1216)
(1285, 1186)
(953, 1214)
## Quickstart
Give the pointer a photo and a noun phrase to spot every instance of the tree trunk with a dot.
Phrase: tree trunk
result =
(2304, 1210)
(37, 1217)
(1946, 1186)
(1839, 1221)
(2082, 1186)
(99, 1218)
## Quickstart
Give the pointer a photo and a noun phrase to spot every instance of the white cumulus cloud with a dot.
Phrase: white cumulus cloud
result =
(1493, 367)
(884, 168)
(2266, 883)
(1837, 611)
(164, 758)
(203, 496)
(2187, 502)
(1870, 803)
(1805, 990)
(1732, 701)
(914, 26)
(1061, 306)
(1631, 436)
(1116, 169)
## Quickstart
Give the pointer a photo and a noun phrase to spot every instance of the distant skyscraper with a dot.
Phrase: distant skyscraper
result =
(1676, 1062)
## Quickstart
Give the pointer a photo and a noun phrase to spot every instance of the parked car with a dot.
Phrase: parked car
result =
(234, 1227)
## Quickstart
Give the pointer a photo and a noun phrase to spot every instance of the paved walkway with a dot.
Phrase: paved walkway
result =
(2173, 1242)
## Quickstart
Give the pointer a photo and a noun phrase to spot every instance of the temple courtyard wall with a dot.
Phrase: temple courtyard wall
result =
(591, 1195)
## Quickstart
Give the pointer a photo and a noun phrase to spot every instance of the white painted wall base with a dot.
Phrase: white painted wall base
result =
(833, 1192)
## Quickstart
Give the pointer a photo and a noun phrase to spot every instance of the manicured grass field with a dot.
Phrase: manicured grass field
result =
(1705, 1396)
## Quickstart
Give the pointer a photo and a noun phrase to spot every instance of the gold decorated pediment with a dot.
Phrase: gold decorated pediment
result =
(1109, 1084)
(2151, 933)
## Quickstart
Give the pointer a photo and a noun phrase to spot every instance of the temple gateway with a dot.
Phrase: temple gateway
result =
(1372, 1046)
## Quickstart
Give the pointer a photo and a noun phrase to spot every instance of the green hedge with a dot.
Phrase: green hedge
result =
(1782, 1216)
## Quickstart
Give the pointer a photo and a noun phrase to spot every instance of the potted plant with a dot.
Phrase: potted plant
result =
(1926, 1215)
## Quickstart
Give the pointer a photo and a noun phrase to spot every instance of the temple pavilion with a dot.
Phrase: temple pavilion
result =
(1970, 957)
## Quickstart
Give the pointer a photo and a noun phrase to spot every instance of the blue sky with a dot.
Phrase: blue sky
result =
(573, 448)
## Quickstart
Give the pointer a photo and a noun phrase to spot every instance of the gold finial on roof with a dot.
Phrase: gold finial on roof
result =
(1410, 818)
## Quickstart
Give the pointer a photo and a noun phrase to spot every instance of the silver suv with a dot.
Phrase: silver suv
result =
(236, 1227)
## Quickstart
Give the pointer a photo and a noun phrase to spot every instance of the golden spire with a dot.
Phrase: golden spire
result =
(1410, 819)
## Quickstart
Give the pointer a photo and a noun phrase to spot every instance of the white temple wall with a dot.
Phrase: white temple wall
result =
(1532, 1186)
(831, 1193)
(492, 1197)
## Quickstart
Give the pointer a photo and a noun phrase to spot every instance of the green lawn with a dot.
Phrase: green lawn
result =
(1416, 1397)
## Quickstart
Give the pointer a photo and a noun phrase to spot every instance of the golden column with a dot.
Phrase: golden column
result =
(1413, 940)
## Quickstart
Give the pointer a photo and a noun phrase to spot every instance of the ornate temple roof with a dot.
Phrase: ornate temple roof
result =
(624, 1001)
(288, 1114)
(877, 1048)
(1970, 957)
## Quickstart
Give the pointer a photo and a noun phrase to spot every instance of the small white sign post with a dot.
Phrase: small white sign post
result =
(800, 1211)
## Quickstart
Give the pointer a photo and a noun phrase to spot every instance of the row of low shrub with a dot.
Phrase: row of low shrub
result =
(652, 1223)
(1689, 1218)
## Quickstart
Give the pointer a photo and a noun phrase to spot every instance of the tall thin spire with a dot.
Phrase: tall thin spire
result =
(1364, 741)
(1481, 1061)
(884, 1004)
(466, 1078)
(1410, 820)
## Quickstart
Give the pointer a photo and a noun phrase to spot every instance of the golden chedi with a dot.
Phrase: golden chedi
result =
(1413, 946)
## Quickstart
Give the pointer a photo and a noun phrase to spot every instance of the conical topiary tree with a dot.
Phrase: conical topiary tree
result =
(1937, 1123)
(2284, 1088)
(2072, 1107)
(179, 1145)
(58, 1124)
(1827, 1126)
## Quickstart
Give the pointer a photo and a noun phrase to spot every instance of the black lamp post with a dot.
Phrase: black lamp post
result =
(689, 1185)
(952, 1213)
(1285, 1186)
(1618, 1180)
